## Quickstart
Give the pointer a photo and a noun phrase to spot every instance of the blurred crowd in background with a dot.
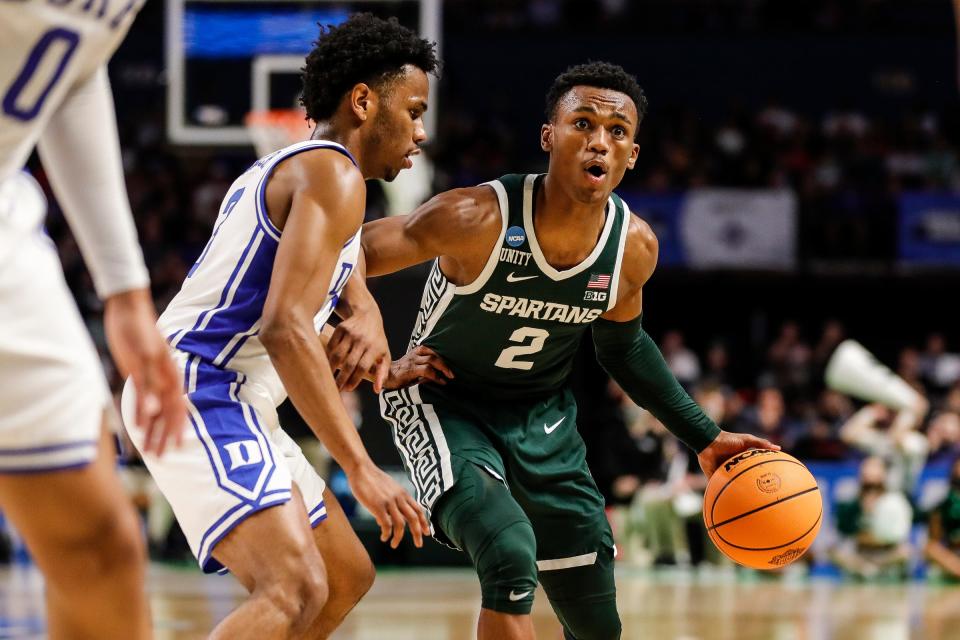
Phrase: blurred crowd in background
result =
(846, 163)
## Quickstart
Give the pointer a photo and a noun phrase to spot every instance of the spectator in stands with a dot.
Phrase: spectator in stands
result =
(874, 528)
(833, 334)
(939, 369)
(667, 512)
(876, 430)
(790, 358)
(717, 365)
(943, 436)
(834, 408)
(682, 361)
(908, 367)
(943, 543)
(820, 440)
(951, 402)
(767, 418)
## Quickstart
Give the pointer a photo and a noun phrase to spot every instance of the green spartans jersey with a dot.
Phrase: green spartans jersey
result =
(513, 332)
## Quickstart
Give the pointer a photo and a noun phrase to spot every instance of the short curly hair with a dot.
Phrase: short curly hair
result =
(365, 48)
(603, 75)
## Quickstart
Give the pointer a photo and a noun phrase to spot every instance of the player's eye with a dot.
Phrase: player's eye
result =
(619, 132)
(581, 123)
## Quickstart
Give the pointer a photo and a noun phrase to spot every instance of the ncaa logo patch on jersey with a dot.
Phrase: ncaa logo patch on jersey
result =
(516, 236)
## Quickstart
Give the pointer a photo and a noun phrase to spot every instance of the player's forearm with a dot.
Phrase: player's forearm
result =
(905, 421)
(81, 154)
(631, 358)
(356, 297)
(297, 355)
(859, 426)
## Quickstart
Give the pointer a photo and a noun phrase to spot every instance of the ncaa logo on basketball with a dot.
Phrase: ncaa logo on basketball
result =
(732, 462)
(515, 236)
(769, 483)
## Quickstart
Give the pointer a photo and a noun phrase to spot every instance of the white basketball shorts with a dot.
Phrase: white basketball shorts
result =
(52, 389)
(235, 459)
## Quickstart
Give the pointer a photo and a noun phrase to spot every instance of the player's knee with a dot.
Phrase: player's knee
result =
(110, 547)
(354, 582)
(596, 621)
(507, 567)
(297, 597)
(294, 583)
(363, 577)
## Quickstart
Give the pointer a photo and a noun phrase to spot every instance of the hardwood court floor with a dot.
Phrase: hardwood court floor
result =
(443, 605)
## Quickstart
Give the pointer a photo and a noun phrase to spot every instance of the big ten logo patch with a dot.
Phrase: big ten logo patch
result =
(595, 296)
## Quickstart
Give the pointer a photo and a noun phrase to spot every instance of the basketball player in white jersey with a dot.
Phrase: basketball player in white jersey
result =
(57, 481)
(244, 333)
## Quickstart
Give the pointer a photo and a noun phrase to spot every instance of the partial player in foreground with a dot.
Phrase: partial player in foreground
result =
(243, 330)
(525, 265)
(57, 480)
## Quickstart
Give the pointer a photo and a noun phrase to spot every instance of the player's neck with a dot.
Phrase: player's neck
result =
(555, 206)
(350, 139)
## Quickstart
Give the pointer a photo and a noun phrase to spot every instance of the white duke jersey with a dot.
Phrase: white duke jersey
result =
(49, 47)
(215, 318)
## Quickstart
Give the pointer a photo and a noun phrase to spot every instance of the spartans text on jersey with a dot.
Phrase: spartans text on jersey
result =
(538, 309)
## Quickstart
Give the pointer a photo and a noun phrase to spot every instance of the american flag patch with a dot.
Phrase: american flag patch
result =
(599, 281)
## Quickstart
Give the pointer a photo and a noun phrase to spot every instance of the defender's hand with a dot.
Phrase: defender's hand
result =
(727, 445)
(358, 350)
(420, 364)
(141, 353)
(391, 506)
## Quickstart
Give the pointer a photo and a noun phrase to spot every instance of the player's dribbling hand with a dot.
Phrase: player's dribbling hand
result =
(420, 364)
(727, 445)
(391, 506)
(358, 351)
(140, 352)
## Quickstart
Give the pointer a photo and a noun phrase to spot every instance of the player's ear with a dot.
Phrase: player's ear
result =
(546, 137)
(362, 101)
(634, 154)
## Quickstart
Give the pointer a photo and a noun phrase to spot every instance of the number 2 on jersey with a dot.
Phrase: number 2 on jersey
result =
(508, 357)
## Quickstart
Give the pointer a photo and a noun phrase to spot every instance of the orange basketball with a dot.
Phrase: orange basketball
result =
(762, 508)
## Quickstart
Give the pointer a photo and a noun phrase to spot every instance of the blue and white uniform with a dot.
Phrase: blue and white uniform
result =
(235, 459)
(55, 96)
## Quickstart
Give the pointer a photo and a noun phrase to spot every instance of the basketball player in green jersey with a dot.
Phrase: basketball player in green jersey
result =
(525, 265)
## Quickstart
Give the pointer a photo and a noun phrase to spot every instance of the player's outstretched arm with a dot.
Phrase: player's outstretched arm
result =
(461, 225)
(632, 358)
(81, 154)
(326, 206)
